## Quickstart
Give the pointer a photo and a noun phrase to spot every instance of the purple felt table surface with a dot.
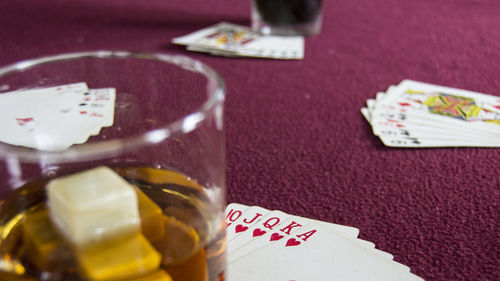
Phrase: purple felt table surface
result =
(296, 140)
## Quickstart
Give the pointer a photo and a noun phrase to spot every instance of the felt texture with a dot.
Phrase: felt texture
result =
(296, 140)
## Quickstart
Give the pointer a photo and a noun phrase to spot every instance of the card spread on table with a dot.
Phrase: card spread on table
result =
(54, 118)
(272, 245)
(226, 39)
(415, 114)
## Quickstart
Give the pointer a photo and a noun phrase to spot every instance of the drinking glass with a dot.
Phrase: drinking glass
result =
(287, 17)
(166, 142)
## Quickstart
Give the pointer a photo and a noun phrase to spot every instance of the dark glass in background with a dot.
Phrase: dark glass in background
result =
(287, 17)
(284, 12)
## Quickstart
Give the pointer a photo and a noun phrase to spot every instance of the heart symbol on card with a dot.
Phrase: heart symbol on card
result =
(24, 121)
(292, 242)
(258, 232)
(276, 236)
(240, 228)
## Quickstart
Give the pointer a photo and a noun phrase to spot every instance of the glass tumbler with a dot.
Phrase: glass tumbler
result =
(138, 195)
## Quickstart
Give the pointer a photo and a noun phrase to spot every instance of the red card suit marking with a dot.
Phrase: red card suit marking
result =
(96, 115)
(258, 232)
(24, 121)
(276, 236)
(292, 242)
(240, 228)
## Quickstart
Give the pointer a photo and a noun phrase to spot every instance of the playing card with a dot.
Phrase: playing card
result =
(415, 114)
(383, 118)
(444, 101)
(437, 103)
(23, 112)
(255, 232)
(249, 217)
(253, 223)
(22, 104)
(39, 93)
(234, 40)
(315, 253)
(275, 226)
(379, 117)
(233, 212)
(55, 118)
(224, 36)
(417, 133)
(97, 103)
(245, 235)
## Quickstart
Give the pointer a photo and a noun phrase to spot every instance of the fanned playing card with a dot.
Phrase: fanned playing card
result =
(226, 39)
(416, 114)
(54, 118)
(272, 245)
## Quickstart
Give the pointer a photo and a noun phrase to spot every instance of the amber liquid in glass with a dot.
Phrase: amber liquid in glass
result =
(190, 249)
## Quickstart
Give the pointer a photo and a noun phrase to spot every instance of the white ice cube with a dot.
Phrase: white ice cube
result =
(93, 205)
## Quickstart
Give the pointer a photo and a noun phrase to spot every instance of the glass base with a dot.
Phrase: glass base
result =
(306, 29)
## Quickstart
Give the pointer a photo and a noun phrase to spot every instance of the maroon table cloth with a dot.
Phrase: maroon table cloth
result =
(296, 140)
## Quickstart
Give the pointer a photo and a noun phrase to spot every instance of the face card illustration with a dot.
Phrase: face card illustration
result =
(224, 37)
(448, 105)
(227, 37)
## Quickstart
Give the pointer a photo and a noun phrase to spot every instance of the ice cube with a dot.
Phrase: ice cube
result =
(44, 245)
(160, 275)
(180, 242)
(93, 205)
(118, 259)
(151, 217)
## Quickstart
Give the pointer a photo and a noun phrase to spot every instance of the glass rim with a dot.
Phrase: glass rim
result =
(87, 151)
